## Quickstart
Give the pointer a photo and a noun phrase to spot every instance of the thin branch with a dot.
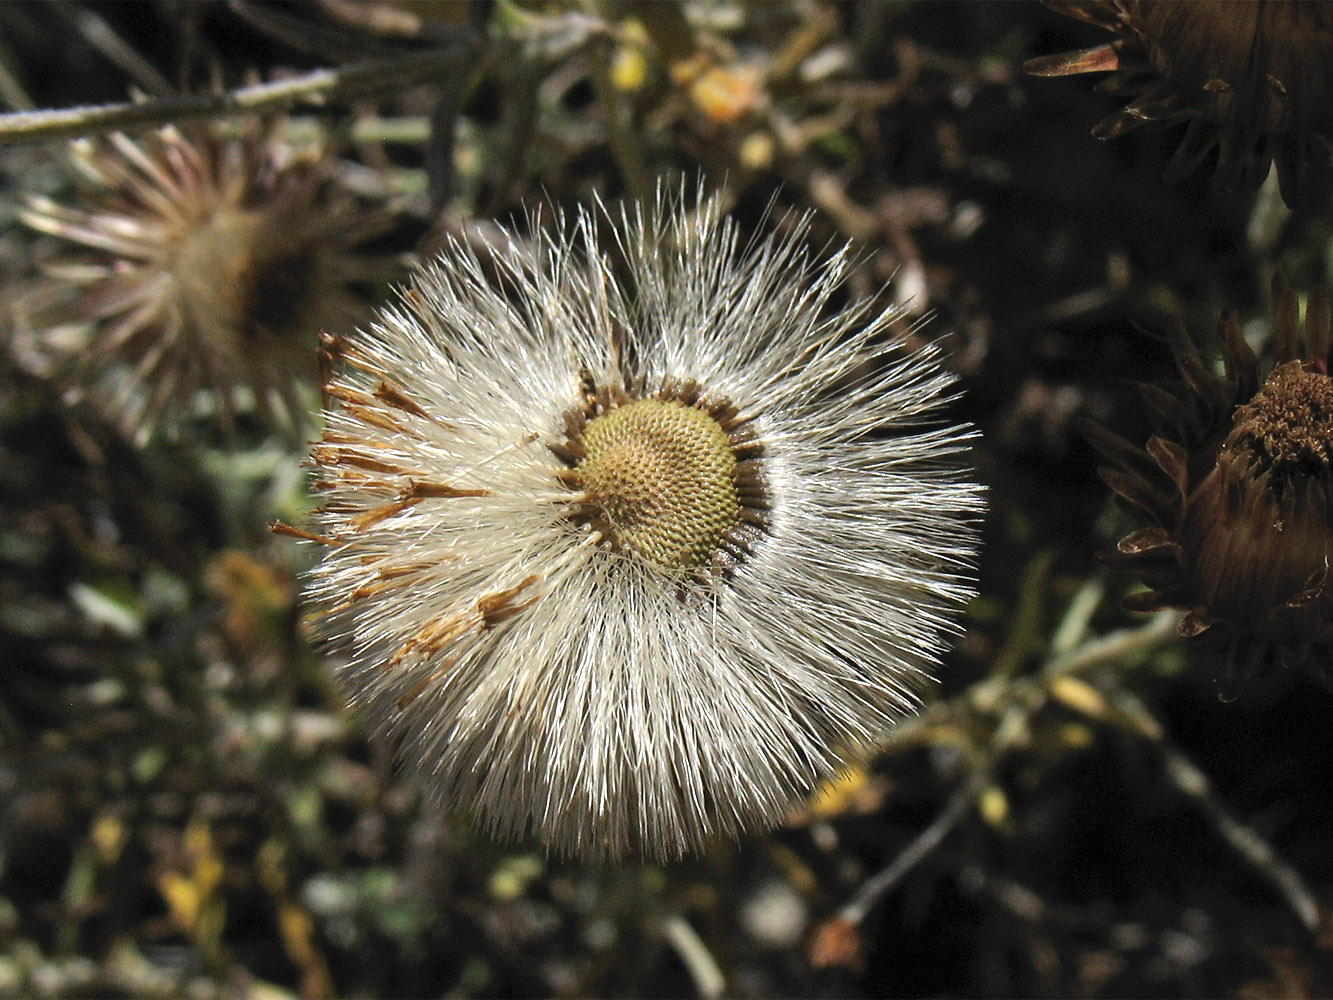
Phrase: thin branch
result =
(317, 87)
(311, 37)
(625, 147)
(11, 90)
(102, 37)
(877, 886)
(440, 145)
(1025, 698)
(698, 960)
(1073, 627)
(1185, 775)
(1116, 646)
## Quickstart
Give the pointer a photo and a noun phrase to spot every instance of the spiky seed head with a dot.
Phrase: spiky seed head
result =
(636, 562)
(203, 261)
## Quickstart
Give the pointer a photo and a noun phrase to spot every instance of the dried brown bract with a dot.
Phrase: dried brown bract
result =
(1235, 487)
(1251, 79)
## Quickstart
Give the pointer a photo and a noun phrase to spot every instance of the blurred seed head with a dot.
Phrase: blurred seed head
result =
(631, 559)
(203, 261)
(1251, 80)
(1235, 486)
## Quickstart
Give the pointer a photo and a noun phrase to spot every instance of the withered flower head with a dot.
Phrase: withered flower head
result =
(203, 261)
(634, 559)
(1251, 78)
(1235, 485)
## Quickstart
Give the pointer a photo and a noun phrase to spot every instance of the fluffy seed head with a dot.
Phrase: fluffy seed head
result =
(634, 558)
(203, 261)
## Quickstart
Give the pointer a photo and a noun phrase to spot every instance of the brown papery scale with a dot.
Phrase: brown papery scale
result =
(1235, 489)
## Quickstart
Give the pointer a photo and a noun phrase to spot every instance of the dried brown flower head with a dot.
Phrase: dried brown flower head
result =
(203, 261)
(1235, 485)
(1252, 80)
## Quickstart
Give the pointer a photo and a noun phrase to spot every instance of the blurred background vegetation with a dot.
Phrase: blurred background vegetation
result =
(186, 808)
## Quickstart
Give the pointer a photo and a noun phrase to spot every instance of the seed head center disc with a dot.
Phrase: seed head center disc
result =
(1289, 424)
(659, 477)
